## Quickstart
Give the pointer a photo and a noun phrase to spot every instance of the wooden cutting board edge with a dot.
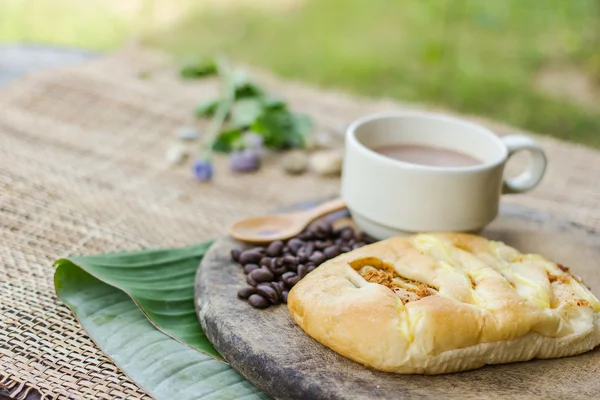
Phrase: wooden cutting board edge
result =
(292, 380)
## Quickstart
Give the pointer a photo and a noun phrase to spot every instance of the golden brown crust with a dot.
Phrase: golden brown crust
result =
(445, 302)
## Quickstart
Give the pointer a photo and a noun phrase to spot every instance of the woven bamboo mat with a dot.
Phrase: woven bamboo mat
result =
(82, 171)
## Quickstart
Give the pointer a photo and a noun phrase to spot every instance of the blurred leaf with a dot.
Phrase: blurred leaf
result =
(199, 69)
(487, 20)
(161, 282)
(281, 129)
(207, 109)
(248, 89)
(273, 103)
(244, 86)
(432, 52)
(103, 290)
(302, 125)
(227, 141)
(245, 112)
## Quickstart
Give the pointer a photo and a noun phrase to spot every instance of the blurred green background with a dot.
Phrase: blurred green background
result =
(531, 63)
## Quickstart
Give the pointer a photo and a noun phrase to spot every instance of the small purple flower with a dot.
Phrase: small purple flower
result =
(203, 170)
(247, 160)
(255, 142)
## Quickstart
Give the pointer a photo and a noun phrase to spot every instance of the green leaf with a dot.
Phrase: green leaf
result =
(160, 365)
(161, 282)
(227, 141)
(245, 112)
(273, 103)
(244, 86)
(207, 109)
(199, 69)
(281, 129)
(249, 89)
(302, 125)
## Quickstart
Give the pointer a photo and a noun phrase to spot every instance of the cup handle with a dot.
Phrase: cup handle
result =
(529, 178)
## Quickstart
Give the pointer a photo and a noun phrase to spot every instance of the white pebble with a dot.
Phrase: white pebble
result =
(310, 141)
(188, 133)
(319, 140)
(176, 154)
(327, 162)
(324, 140)
(295, 162)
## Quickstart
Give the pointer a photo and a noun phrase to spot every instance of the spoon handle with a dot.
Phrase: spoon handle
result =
(325, 208)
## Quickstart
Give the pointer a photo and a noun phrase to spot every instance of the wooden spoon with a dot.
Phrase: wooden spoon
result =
(268, 228)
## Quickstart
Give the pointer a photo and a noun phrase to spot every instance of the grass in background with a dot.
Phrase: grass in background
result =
(473, 56)
(86, 24)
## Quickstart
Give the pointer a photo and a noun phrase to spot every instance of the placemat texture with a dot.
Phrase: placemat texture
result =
(82, 171)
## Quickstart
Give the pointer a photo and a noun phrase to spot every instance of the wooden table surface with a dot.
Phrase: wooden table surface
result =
(82, 171)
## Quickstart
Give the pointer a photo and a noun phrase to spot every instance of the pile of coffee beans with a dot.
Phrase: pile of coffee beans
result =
(272, 270)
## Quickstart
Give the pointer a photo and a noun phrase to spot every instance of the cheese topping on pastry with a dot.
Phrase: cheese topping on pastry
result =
(438, 303)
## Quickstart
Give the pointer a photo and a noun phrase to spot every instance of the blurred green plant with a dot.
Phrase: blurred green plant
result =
(245, 108)
(473, 56)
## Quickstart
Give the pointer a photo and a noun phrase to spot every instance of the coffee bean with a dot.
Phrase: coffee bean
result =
(290, 260)
(268, 293)
(317, 257)
(246, 292)
(280, 270)
(279, 287)
(292, 281)
(291, 267)
(331, 251)
(324, 227)
(257, 301)
(275, 248)
(235, 253)
(302, 256)
(265, 261)
(250, 257)
(277, 269)
(251, 280)
(306, 235)
(288, 275)
(294, 244)
(323, 244)
(262, 275)
(250, 267)
(320, 235)
(311, 232)
(302, 270)
(347, 233)
(273, 270)
(309, 248)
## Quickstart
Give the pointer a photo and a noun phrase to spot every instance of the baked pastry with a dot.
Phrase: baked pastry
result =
(439, 303)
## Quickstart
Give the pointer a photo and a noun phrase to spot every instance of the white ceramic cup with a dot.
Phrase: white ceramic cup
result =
(388, 197)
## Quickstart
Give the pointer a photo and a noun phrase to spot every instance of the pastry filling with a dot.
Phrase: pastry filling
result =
(374, 270)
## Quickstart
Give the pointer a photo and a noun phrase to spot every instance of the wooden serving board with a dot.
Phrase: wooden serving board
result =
(277, 356)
